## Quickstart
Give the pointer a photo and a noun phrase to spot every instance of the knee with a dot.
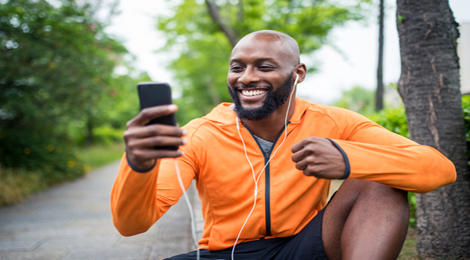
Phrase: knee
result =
(377, 193)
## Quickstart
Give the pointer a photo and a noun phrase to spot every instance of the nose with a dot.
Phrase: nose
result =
(249, 76)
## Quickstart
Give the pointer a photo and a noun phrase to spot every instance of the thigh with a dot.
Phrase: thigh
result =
(365, 216)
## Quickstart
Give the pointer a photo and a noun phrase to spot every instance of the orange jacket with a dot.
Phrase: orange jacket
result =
(287, 199)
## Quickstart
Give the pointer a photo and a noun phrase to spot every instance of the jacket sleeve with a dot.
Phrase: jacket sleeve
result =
(374, 153)
(139, 199)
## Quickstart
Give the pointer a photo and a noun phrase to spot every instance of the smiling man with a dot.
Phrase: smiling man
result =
(263, 167)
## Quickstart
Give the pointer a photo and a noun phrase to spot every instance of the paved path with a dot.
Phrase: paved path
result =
(73, 221)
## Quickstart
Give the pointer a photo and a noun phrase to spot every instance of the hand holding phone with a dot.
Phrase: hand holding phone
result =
(153, 132)
(156, 94)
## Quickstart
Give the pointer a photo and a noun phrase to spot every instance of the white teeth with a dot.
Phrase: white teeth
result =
(251, 93)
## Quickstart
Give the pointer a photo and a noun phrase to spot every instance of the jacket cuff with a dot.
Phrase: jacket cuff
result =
(345, 157)
(139, 170)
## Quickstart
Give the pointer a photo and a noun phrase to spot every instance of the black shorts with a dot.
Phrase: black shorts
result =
(307, 244)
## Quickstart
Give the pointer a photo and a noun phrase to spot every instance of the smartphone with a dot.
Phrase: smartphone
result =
(156, 94)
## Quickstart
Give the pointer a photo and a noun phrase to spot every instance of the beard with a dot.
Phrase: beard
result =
(273, 100)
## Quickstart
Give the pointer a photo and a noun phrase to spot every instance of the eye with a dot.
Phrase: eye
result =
(266, 68)
(236, 68)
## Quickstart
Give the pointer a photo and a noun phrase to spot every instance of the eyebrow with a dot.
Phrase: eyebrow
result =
(257, 60)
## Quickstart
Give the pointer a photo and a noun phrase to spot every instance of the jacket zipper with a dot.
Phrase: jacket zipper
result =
(267, 178)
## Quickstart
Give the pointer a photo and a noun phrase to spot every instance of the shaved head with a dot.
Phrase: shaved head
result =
(283, 44)
(262, 70)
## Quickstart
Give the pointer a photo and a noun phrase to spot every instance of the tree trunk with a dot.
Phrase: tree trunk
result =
(430, 88)
(379, 94)
(215, 15)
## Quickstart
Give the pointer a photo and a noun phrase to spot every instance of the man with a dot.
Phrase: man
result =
(283, 151)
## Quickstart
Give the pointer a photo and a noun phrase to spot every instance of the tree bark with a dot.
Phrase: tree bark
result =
(379, 94)
(430, 88)
(215, 15)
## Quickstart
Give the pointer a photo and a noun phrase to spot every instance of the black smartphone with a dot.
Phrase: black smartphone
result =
(156, 94)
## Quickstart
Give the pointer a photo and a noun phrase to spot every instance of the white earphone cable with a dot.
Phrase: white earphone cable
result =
(191, 213)
(252, 169)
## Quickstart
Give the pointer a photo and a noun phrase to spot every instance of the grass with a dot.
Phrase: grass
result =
(17, 184)
(408, 252)
(100, 155)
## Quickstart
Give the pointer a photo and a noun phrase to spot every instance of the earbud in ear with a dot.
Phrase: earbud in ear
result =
(296, 79)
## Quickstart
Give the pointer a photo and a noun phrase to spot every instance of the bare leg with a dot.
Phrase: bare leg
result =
(365, 220)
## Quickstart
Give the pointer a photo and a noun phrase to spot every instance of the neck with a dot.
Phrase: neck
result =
(269, 128)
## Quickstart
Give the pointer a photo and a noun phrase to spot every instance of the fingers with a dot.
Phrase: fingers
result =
(141, 139)
(153, 130)
(318, 157)
(141, 143)
(304, 157)
(150, 154)
(304, 148)
(153, 141)
(150, 136)
(150, 113)
(304, 153)
(298, 146)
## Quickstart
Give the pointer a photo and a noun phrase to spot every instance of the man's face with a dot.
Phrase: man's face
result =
(272, 101)
(260, 76)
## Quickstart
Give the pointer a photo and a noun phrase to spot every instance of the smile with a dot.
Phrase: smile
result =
(253, 92)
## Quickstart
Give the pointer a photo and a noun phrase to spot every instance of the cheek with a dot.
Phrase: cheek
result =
(231, 80)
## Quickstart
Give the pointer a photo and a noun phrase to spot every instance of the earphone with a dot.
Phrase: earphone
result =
(191, 213)
(256, 179)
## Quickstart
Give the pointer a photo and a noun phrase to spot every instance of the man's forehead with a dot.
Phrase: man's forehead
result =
(266, 45)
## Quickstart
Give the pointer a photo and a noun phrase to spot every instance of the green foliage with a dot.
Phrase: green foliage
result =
(58, 86)
(100, 155)
(466, 116)
(413, 205)
(117, 106)
(357, 99)
(33, 150)
(17, 183)
(204, 50)
(394, 119)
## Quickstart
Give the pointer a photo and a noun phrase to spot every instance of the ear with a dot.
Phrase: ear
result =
(300, 70)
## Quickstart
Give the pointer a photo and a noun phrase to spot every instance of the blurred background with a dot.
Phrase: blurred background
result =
(69, 70)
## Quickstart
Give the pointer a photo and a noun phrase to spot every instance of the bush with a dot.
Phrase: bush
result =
(40, 151)
(466, 117)
(17, 184)
(394, 119)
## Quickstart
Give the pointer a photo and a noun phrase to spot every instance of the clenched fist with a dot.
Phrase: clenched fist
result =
(318, 157)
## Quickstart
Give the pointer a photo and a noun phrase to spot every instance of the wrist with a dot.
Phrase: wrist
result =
(140, 166)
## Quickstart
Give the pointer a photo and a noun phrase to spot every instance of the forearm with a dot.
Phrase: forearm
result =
(410, 167)
(133, 199)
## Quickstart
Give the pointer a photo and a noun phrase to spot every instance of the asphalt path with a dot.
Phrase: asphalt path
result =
(73, 221)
